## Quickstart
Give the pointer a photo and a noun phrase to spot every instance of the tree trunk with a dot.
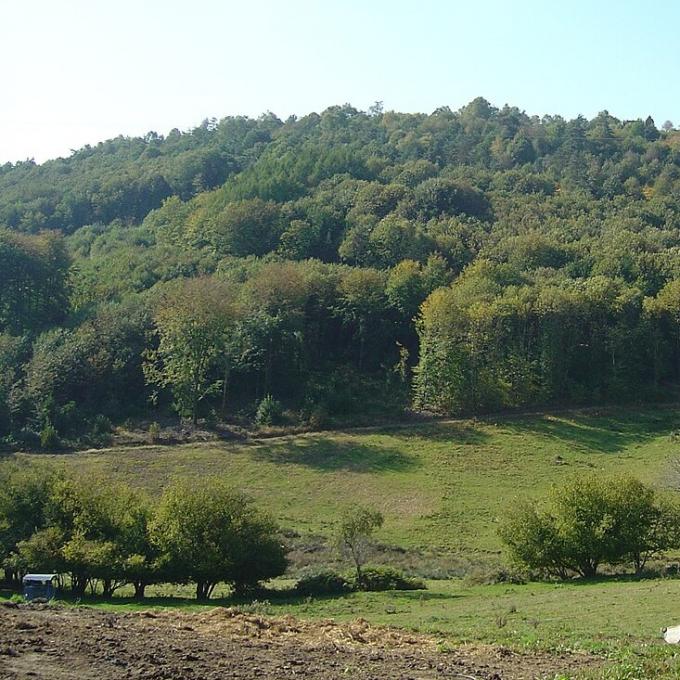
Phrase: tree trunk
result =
(78, 584)
(588, 569)
(224, 390)
(360, 576)
(362, 343)
(107, 588)
(204, 590)
(639, 561)
(140, 587)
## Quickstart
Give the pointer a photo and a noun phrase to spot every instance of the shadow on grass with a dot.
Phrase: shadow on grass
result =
(598, 434)
(605, 579)
(420, 595)
(261, 603)
(326, 454)
(456, 433)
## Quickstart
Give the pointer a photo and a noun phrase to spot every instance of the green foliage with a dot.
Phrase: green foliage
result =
(324, 582)
(269, 411)
(441, 196)
(94, 370)
(519, 261)
(209, 533)
(499, 339)
(12, 351)
(154, 432)
(93, 529)
(193, 323)
(99, 532)
(24, 493)
(376, 579)
(127, 177)
(49, 438)
(33, 281)
(100, 429)
(589, 522)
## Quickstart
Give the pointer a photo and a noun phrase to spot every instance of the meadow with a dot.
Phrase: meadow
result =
(443, 487)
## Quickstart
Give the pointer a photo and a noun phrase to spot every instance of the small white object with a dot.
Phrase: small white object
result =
(672, 635)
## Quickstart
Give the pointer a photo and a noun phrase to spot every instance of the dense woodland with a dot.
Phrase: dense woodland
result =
(340, 265)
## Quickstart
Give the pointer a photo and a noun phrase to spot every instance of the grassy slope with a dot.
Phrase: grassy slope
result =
(441, 486)
(444, 486)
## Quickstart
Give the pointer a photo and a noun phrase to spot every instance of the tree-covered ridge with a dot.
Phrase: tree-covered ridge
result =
(473, 260)
(125, 178)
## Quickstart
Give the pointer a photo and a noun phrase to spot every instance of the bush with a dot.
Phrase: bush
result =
(269, 411)
(375, 579)
(100, 430)
(354, 535)
(154, 432)
(319, 417)
(49, 438)
(590, 522)
(323, 583)
(350, 393)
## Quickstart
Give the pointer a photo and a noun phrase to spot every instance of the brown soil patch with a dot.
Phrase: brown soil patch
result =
(58, 643)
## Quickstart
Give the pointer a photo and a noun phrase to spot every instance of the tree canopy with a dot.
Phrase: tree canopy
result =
(496, 259)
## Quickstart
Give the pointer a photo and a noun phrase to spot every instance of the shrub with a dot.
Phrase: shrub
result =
(375, 579)
(590, 522)
(269, 411)
(49, 438)
(154, 432)
(25, 491)
(325, 582)
(319, 417)
(100, 430)
(355, 533)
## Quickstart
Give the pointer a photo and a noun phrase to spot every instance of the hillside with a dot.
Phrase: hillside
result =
(442, 487)
(340, 267)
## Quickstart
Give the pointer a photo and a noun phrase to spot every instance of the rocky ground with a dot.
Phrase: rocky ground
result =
(44, 642)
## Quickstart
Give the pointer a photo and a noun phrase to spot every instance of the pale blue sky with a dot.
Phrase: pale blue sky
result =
(76, 71)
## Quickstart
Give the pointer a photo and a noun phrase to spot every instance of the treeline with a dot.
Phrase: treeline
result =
(110, 536)
(498, 339)
(348, 263)
(316, 335)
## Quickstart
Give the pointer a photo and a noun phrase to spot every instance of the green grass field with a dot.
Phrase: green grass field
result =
(443, 488)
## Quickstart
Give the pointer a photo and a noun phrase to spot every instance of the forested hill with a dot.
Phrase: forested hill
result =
(342, 262)
(125, 178)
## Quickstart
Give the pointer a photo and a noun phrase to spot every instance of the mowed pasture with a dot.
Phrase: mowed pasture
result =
(442, 486)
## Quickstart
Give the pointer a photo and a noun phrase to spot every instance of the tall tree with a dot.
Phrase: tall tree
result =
(194, 322)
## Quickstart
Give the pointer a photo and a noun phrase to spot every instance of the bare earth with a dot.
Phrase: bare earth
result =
(53, 643)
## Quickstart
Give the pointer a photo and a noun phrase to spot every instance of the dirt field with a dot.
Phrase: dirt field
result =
(51, 643)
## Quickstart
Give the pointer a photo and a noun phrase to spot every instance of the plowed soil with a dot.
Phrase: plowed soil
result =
(43, 642)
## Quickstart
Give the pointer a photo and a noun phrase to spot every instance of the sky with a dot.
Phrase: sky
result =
(77, 72)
